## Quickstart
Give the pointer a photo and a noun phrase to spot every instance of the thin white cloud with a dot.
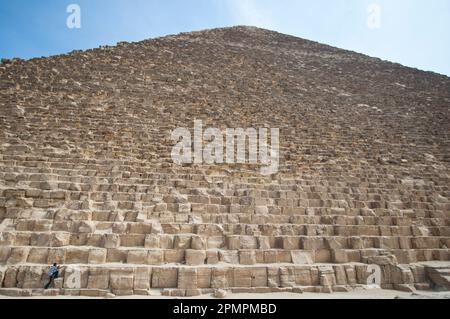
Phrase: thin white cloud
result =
(251, 12)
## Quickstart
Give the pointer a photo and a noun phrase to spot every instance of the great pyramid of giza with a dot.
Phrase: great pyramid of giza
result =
(87, 179)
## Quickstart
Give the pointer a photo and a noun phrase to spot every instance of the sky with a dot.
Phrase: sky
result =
(415, 33)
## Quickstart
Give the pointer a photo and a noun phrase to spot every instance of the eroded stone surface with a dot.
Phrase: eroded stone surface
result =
(87, 181)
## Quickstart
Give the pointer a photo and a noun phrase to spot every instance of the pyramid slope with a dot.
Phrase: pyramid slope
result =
(87, 180)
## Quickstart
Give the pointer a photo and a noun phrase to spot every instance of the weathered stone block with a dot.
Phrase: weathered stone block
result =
(137, 257)
(98, 278)
(187, 278)
(219, 278)
(155, 257)
(97, 256)
(174, 256)
(165, 278)
(121, 280)
(300, 257)
(182, 242)
(198, 243)
(38, 255)
(116, 256)
(229, 256)
(18, 255)
(195, 257)
(142, 278)
(111, 241)
(56, 255)
(152, 241)
(247, 257)
(76, 255)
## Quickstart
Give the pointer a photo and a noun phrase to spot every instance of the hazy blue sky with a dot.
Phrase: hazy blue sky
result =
(412, 32)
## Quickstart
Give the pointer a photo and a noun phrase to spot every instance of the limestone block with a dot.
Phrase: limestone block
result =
(32, 277)
(242, 277)
(98, 278)
(165, 278)
(362, 274)
(215, 242)
(261, 210)
(18, 255)
(77, 255)
(404, 242)
(273, 277)
(405, 256)
(313, 243)
(140, 228)
(263, 242)
(142, 278)
(291, 243)
(116, 256)
(341, 277)
(121, 280)
(284, 256)
(302, 276)
(204, 277)
(187, 278)
(132, 240)
(287, 277)
(419, 273)
(86, 226)
(155, 257)
(327, 277)
(219, 278)
(10, 277)
(382, 260)
(156, 225)
(111, 241)
(182, 242)
(247, 257)
(351, 274)
(340, 256)
(38, 255)
(137, 257)
(233, 242)
(212, 257)
(56, 255)
(174, 256)
(2, 274)
(97, 256)
(229, 256)
(336, 242)
(195, 257)
(301, 257)
(220, 293)
(5, 252)
(198, 243)
(259, 276)
(38, 239)
(7, 239)
(248, 242)
(270, 257)
(152, 241)
(166, 241)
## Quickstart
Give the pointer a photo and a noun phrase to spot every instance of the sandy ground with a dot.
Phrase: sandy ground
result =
(355, 294)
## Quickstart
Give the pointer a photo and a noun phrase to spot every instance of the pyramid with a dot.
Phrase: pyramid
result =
(361, 194)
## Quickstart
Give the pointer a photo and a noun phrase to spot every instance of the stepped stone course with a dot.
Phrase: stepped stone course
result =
(87, 179)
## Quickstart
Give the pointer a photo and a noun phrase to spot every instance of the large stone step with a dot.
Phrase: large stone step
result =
(439, 274)
(127, 279)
